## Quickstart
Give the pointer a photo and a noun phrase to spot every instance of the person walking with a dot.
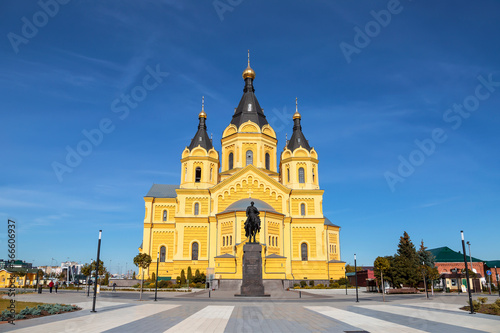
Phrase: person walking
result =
(56, 285)
(51, 285)
(114, 286)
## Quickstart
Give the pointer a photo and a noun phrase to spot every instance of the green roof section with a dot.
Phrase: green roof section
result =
(493, 263)
(445, 254)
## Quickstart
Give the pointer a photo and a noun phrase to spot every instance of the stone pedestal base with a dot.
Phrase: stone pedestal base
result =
(252, 285)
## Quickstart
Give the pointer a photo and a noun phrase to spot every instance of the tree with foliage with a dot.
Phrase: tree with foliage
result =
(133, 275)
(429, 271)
(142, 260)
(105, 281)
(350, 269)
(190, 274)
(153, 277)
(183, 278)
(405, 268)
(89, 269)
(197, 276)
(381, 265)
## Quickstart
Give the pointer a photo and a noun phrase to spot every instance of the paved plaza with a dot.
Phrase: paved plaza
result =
(315, 311)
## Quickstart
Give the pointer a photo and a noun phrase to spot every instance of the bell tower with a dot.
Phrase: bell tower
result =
(200, 160)
(249, 139)
(299, 162)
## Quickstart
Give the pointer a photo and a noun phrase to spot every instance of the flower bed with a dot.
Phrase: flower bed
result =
(39, 311)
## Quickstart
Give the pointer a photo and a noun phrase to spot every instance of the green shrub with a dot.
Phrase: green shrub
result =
(311, 283)
(482, 300)
(19, 316)
(302, 284)
(335, 285)
(295, 285)
(497, 302)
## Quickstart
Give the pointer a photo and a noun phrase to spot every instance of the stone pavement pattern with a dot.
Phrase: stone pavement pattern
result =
(255, 315)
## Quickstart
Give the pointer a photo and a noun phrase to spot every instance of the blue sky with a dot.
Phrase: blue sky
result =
(365, 98)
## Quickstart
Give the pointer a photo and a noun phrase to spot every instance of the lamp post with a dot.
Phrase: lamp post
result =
(356, 277)
(90, 278)
(345, 277)
(467, 274)
(156, 282)
(470, 255)
(96, 271)
(498, 286)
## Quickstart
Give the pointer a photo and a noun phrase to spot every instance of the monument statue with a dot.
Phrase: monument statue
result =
(252, 224)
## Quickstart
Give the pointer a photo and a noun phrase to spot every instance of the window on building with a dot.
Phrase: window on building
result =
(224, 241)
(211, 172)
(314, 175)
(164, 215)
(269, 240)
(334, 248)
(197, 178)
(196, 209)
(230, 240)
(185, 174)
(303, 250)
(194, 251)
(163, 253)
(288, 174)
(268, 161)
(231, 160)
(301, 176)
(249, 155)
(303, 209)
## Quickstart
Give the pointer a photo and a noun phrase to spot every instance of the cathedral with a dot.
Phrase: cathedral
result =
(200, 222)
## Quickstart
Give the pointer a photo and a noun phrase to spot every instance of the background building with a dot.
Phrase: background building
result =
(199, 223)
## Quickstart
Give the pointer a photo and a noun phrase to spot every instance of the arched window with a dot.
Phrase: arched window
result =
(269, 240)
(249, 156)
(197, 177)
(230, 161)
(288, 174)
(164, 215)
(301, 175)
(230, 240)
(303, 250)
(273, 241)
(163, 253)
(194, 251)
(224, 241)
(196, 209)
(303, 209)
(334, 248)
(313, 174)
(268, 161)
(185, 174)
(211, 172)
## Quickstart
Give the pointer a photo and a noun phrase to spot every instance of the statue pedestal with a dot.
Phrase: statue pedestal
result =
(252, 285)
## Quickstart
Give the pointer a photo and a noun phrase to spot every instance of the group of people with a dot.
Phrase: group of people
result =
(53, 285)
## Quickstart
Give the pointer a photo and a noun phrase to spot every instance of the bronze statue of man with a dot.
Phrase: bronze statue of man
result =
(252, 224)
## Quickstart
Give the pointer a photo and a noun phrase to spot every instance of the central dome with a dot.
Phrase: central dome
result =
(241, 206)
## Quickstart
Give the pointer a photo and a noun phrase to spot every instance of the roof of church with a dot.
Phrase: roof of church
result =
(298, 139)
(241, 205)
(249, 107)
(201, 137)
(328, 222)
(445, 254)
(162, 191)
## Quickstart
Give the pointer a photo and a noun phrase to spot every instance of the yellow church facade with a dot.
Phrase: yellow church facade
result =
(200, 222)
